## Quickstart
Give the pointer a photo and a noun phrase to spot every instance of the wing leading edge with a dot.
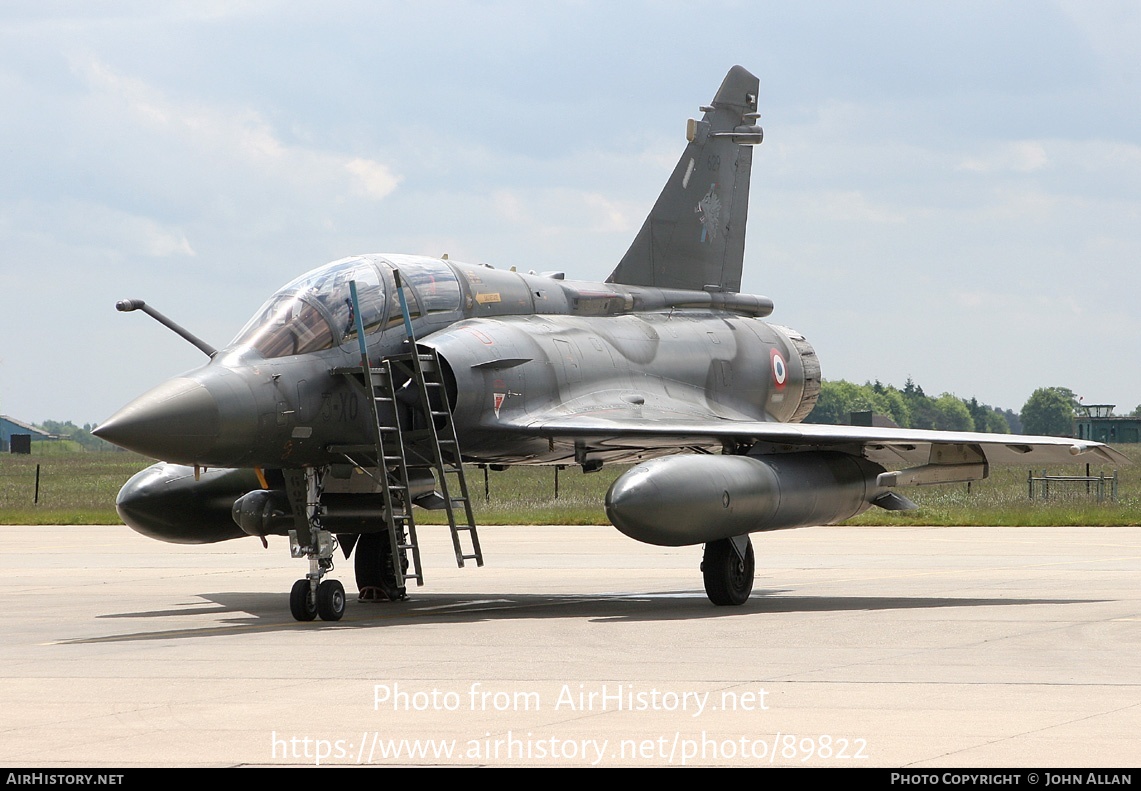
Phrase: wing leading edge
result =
(941, 456)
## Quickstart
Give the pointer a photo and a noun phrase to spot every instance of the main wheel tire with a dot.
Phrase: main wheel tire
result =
(331, 600)
(301, 603)
(728, 579)
(367, 559)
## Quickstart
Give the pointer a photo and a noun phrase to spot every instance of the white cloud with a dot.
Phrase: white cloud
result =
(557, 211)
(614, 215)
(510, 207)
(114, 233)
(162, 243)
(235, 138)
(374, 179)
(1023, 156)
(852, 206)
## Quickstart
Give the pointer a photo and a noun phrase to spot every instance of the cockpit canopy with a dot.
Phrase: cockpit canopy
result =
(314, 312)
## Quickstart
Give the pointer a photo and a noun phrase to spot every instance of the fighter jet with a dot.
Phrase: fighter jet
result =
(357, 392)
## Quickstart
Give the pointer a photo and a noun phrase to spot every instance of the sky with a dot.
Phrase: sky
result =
(947, 191)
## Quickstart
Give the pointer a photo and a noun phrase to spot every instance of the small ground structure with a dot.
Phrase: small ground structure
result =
(10, 427)
(1097, 422)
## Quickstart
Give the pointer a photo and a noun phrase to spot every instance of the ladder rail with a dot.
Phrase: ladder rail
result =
(451, 463)
(455, 464)
(400, 444)
(392, 468)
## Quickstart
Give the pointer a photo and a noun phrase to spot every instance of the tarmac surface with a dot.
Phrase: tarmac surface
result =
(904, 647)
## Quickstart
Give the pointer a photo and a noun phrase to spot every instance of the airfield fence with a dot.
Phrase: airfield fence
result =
(80, 488)
(1071, 487)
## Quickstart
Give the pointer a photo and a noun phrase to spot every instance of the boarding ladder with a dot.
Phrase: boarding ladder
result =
(423, 436)
(432, 443)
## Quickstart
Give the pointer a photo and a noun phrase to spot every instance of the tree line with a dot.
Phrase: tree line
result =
(1049, 410)
(79, 434)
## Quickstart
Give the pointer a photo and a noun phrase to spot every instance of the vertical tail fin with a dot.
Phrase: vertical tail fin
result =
(694, 237)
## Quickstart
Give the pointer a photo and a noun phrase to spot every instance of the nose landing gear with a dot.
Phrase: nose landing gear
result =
(311, 596)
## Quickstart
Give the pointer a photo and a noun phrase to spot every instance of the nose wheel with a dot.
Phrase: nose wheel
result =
(331, 600)
(302, 602)
(328, 602)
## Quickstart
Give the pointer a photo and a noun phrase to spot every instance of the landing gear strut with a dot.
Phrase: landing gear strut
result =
(311, 597)
(727, 568)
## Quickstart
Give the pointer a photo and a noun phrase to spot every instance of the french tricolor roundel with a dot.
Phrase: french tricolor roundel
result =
(780, 369)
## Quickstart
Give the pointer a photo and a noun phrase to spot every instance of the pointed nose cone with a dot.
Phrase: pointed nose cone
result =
(177, 421)
(209, 417)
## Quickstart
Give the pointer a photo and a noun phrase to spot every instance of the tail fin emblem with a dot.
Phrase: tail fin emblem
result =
(708, 209)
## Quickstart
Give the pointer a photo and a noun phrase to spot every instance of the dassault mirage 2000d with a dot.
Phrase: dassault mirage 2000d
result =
(357, 391)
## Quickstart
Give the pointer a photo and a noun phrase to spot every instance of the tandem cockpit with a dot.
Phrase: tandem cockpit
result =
(272, 380)
(315, 311)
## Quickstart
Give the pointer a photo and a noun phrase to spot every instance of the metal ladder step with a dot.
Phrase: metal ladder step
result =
(423, 398)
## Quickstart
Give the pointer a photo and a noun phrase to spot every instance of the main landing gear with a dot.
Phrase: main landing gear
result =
(377, 579)
(727, 568)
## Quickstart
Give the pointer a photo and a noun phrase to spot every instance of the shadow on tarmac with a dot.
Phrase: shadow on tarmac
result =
(237, 612)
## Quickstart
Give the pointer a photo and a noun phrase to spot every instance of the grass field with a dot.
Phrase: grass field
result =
(80, 488)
